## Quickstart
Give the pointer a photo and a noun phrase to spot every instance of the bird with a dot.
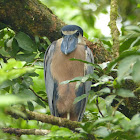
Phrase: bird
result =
(58, 68)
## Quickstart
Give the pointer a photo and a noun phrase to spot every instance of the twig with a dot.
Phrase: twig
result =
(34, 62)
(45, 119)
(38, 95)
(4, 59)
(115, 109)
(114, 30)
(20, 132)
(97, 104)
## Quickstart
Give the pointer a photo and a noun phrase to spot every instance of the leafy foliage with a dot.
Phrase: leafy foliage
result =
(22, 78)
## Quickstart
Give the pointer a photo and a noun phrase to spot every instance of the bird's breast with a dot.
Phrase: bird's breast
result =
(62, 69)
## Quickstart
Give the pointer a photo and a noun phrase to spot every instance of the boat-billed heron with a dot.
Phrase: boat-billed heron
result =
(58, 68)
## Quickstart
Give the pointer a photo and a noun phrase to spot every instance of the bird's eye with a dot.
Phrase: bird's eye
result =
(77, 33)
(62, 34)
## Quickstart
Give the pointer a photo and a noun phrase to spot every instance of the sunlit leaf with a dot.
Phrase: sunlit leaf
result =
(73, 80)
(92, 64)
(104, 65)
(125, 66)
(11, 99)
(122, 56)
(105, 90)
(136, 71)
(125, 93)
(108, 100)
(77, 99)
(14, 73)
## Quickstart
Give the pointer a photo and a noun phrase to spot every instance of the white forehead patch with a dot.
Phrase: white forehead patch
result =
(69, 32)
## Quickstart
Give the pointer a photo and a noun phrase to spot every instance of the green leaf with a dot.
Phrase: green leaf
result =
(102, 131)
(105, 90)
(25, 42)
(1, 33)
(60, 132)
(11, 99)
(38, 81)
(47, 40)
(126, 44)
(138, 5)
(125, 93)
(79, 98)
(107, 43)
(27, 81)
(15, 47)
(6, 84)
(92, 64)
(42, 94)
(104, 65)
(16, 88)
(108, 100)
(13, 69)
(122, 56)
(103, 120)
(27, 94)
(30, 105)
(125, 67)
(39, 102)
(135, 121)
(39, 64)
(26, 57)
(136, 71)
(73, 80)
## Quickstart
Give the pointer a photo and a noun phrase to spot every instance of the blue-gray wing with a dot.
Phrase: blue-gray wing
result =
(49, 82)
(87, 85)
(89, 68)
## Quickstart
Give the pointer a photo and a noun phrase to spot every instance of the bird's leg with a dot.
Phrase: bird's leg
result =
(68, 115)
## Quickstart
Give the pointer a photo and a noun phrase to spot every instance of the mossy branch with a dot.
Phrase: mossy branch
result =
(36, 19)
(20, 132)
(29, 115)
(114, 30)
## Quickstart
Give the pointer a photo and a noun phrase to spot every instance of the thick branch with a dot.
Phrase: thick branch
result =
(114, 30)
(31, 17)
(45, 119)
(34, 18)
(20, 132)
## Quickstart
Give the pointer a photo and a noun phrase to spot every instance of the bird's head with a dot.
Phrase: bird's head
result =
(71, 35)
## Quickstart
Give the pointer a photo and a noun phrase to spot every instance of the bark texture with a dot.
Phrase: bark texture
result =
(34, 18)
(45, 118)
(20, 132)
(114, 30)
(31, 17)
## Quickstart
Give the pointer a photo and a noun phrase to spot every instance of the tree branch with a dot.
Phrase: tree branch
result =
(114, 30)
(45, 119)
(38, 95)
(31, 17)
(97, 104)
(20, 132)
(117, 106)
(34, 18)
